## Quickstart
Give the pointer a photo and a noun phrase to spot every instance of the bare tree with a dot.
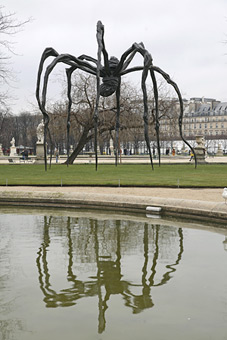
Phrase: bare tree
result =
(22, 127)
(25, 128)
(9, 26)
(82, 116)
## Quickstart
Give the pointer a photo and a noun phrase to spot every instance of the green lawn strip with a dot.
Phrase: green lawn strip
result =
(173, 175)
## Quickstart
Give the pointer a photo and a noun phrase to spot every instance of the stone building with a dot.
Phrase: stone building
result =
(207, 117)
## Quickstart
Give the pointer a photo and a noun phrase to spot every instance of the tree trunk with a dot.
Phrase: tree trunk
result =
(84, 139)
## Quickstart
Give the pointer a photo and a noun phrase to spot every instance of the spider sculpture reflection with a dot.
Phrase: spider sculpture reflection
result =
(110, 74)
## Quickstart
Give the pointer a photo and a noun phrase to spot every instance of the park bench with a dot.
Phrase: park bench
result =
(27, 160)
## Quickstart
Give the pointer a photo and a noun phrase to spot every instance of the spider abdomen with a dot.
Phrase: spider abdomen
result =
(108, 86)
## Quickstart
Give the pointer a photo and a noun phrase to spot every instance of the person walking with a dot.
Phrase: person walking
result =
(56, 154)
(191, 156)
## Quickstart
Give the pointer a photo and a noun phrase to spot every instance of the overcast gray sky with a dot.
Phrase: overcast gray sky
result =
(185, 37)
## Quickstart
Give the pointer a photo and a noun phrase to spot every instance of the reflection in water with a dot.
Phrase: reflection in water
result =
(225, 243)
(109, 239)
(123, 276)
(67, 297)
(9, 327)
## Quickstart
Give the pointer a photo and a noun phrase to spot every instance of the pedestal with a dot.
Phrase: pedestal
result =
(200, 149)
(111, 148)
(200, 155)
(13, 151)
(39, 153)
(220, 151)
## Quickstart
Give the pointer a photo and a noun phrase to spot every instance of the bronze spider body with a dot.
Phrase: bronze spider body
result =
(108, 78)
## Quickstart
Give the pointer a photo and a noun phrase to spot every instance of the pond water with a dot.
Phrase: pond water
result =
(85, 275)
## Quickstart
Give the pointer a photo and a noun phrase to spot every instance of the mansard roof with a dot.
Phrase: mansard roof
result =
(221, 108)
(206, 109)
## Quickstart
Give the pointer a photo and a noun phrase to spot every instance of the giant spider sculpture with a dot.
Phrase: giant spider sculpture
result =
(110, 74)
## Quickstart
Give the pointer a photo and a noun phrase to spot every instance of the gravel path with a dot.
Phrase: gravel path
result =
(212, 195)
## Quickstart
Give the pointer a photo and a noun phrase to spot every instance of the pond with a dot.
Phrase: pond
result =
(89, 275)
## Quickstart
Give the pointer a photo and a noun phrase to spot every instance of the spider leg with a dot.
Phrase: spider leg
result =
(95, 61)
(99, 36)
(132, 54)
(51, 145)
(69, 60)
(157, 124)
(147, 63)
(88, 58)
(69, 72)
(171, 82)
(131, 51)
(63, 58)
(101, 43)
(48, 52)
(121, 69)
(145, 115)
(168, 79)
(101, 50)
(117, 148)
(128, 60)
(141, 49)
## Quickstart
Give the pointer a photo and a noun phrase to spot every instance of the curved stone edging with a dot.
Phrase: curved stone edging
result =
(191, 209)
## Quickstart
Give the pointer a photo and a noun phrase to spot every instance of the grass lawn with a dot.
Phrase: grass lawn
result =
(180, 175)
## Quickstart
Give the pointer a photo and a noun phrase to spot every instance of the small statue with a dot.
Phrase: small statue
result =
(200, 141)
(12, 142)
(40, 132)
